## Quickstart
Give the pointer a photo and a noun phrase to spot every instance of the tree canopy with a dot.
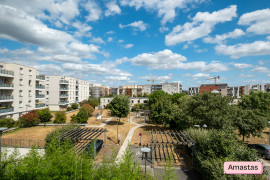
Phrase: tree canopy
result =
(119, 106)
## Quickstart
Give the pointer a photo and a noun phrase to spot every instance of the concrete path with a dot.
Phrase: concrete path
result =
(128, 139)
(102, 124)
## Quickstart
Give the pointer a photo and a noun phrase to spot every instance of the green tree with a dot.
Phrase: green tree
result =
(94, 102)
(7, 122)
(82, 115)
(74, 106)
(119, 106)
(45, 115)
(89, 109)
(60, 117)
(177, 98)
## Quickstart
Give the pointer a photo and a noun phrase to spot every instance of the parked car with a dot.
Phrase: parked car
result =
(262, 149)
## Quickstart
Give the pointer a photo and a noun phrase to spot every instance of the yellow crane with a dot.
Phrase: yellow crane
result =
(153, 81)
(215, 78)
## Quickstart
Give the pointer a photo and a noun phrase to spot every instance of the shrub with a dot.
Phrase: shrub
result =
(45, 115)
(30, 119)
(74, 106)
(69, 108)
(73, 119)
(83, 102)
(60, 117)
(82, 115)
(89, 109)
(7, 122)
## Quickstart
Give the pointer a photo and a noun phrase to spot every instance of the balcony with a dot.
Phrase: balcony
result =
(6, 73)
(40, 77)
(40, 87)
(40, 105)
(76, 95)
(6, 98)
(63, 95)
(6, 85)
(63, 102)
(63, 89)
(63, 82)
(5, 111)
(77, 89)
(38, 96)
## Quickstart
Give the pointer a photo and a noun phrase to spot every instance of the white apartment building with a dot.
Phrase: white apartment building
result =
(193, 90)
(236, 91)
(133, 100)
(170, 88)
(131, 90)
(21, 90)
(254, 87)
(62, 91)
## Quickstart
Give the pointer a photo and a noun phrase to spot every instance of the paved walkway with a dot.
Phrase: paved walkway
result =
(128, 139)
(102, 124)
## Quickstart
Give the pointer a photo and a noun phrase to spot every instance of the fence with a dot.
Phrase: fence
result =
(22, 143)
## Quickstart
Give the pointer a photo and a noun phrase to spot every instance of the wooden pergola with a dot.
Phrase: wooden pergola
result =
(145, 113)
(82, 137)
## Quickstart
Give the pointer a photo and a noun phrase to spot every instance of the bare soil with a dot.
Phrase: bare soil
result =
(257, 140)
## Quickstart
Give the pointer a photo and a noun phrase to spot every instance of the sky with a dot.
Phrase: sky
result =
(125, 42)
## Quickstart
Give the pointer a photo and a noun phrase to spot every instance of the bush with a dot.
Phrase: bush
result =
(7, 122)
(74, 106)
(83, 102)
(30, 119)
(60, 117)
(74, 119)
(82, 115)
(89, 109)
(69, 108)
(45, 115)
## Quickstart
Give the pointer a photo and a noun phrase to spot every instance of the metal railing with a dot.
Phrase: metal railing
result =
(40, 105)
(40, 96)
(63, 82)
(22, 143)
(6, 110)
(40, 77)
(63, 95)
(6, 97)
(62, 88)
(63, 102)
(3, 84)
(40, 87)
(7, 72)
(77, 89)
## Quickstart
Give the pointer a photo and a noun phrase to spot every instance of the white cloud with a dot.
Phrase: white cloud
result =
(246, 75)
(137, 25)
(245, 49)
(118, 78)
(163, 29)
(120, 40)
(83, 29)
(242, 65)
(220, 38)
(97, 40)
(185, 46)
(127, 46)
(201, 75)
(110, 39)
(110, 32)
(261, 69)
(203, 24)
(49, 69)
(167, 9)
(84, 48)
(58, 24)
(95, 11)
(258, 21)
(112, 9)
(157, 78)
(268, 75)
(201, 50)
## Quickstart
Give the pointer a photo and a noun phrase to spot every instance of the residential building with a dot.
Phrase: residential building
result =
(214, 88)
(62, 91)
(114, 91)
(267, 88)
(95, 91)
(170, 88)
(21, 90)
(193, 90)
(131, 90)
(237, 91)
(105, 101)
(254, 87)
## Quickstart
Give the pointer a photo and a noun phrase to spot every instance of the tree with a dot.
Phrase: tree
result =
(29, 119)
(119, 106)
(60, 117)
(82, 115)
(177, 97)
(45, 115)
(89, 109)
(93, 102)
(74, 106)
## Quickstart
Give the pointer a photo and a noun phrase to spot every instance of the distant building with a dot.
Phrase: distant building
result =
(267, 88)
(254, 87)
(114, 91)
(133, 100)
(237, 91)
(193, 90)
(131, 90)
(215, 88)
(170, 88)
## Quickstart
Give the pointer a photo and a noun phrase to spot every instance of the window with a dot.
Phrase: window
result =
(20, 104)
(20, 93)
(21, 70)
(21, 82)
(30, 83)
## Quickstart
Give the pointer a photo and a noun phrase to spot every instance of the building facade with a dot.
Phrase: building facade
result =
(21, 90)
(215, 88)
(170, 88)
(131, 90)
(236, 92)
(254, 87)
(104, 102)
(193, 90)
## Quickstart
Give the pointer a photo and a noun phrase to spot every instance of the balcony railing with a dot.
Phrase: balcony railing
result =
(77, 89)
(40, 77)
(40, 87)
(6, 110)
(3, 84)
(7, 72)
(63, 88)
(63, 95)
(63, 102)
(40, 96)
(40, 105)
(63, 82)
(6, 97)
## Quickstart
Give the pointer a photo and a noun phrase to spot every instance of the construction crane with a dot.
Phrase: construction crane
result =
(215, 78)
(153, 81)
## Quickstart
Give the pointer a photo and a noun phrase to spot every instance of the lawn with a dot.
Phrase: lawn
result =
(257, 140)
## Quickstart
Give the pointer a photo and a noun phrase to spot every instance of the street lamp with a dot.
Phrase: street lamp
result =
(145, 150)
(269, 132)
(1, 131)
(118, 119)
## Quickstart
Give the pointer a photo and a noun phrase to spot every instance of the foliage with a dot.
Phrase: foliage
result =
(7, 122)
(138, 106)
(169, 171)
(69, 108)
(60, 117)
(45, 115)
(177, 98)
(89, 109)
(119, 106)
(82, 115)
(73, 119)
(94, 102)
(29, 119)
(74, 106)
(83, 102)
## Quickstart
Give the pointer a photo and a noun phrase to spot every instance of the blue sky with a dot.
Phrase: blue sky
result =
(129, 41)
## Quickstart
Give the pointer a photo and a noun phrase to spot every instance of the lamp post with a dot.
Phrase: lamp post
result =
(145, 150)
(118, 119)
(269, 132)
(1, 131)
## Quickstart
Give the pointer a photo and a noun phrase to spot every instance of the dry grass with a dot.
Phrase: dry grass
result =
(257, 140)
(68, 115)
(93, 119)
